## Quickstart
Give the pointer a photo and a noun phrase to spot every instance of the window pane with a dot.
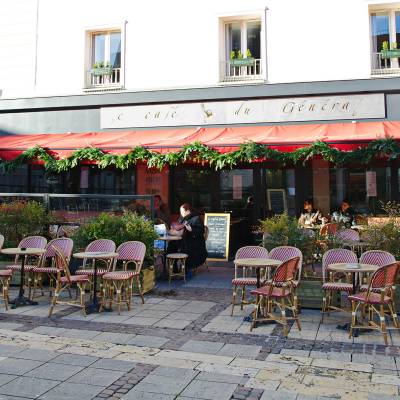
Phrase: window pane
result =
(16, 181)
(380, 30)
(253, 38)
(234, 37)
(115, 49)
(398, 28)
(98, 47)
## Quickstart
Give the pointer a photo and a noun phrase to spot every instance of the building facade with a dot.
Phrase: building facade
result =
(278, 72)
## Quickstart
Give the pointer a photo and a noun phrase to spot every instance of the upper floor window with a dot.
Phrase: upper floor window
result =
(385, 38)
(242, 59)
(105, 59)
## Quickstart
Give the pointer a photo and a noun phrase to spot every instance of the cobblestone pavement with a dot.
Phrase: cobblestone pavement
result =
(183, 344)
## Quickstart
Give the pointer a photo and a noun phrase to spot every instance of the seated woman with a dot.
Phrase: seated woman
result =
(345, 215)
(191, 229)
(310, 215)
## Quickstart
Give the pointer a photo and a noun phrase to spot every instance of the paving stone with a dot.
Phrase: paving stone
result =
(5, 378)
(72, 391)
(36, 354)
(206, 347)
(172, 323)
(96, 377)
(28, 387)
(240, 350)
(48, 330)
(134, 394)
(225, 378)
(162, 384)
(148, 341)
(53, 371)
(209, 390)
(115, 365)
(75, 359)
(80, 333)
(177, 373)
(9, 351)
(15, 366)
(142, 321)
(112, 337)
(10, 325)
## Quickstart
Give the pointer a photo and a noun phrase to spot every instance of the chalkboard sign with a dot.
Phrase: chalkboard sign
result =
(277, 200)
(218, 236)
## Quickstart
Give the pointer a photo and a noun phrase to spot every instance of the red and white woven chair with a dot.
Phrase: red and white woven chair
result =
(64, 280)
(5, 278)
(47, 267)
(279, 292)
(105, 245)
(378, 295)
(284, 253)
(348, 234)
(118, 285)
(245, 280)
(329, 284)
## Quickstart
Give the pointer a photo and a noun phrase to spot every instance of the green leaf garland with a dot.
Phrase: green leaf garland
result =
(203, 154)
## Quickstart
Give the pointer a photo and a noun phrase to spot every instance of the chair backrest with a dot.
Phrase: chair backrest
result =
(348, 234)
(328, 229)
(377, 257)
(34, 242)
(101, 245)
(284, 253)
(64, 245)
(132, 251)
(385, 277)
(252, 252)
(334, 256)
(61, 262)
(287, 271)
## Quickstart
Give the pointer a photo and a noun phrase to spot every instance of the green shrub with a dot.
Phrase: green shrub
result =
(22, 218)
(129, 226)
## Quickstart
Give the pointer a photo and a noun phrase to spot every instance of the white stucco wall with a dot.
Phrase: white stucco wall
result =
(178, 43)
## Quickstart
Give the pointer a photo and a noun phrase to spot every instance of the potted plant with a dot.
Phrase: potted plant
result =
(237, 59)
(389, 51)
(101, 68)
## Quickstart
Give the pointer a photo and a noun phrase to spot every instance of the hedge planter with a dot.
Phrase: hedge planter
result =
(148, 279)
(395, 53)
(101, 71)
(242, 62)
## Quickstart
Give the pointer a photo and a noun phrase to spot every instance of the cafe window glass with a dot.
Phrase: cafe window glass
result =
(108, 181)
(15, 181)
(194, 186)
(235, 187)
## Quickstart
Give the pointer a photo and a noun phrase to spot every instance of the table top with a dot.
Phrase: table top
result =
(169, 237)
(96, 254)
(359, 243)
(257, 262)
(352, 267)
(27, 251)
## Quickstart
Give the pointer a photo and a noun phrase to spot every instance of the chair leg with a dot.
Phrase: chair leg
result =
(394, 315)
(323, 307)
(243, 297)
(353, 318)
(140, 288)
(5, 283)
(255, 315)
(296, 317)
(283, 316)
(54, 299)
(383, 324)
(233, 299)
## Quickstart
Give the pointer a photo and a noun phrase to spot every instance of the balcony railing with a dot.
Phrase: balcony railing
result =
(241, 70)
(381, 65)
(112, 80)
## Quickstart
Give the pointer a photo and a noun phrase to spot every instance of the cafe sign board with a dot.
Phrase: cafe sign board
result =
(297, 109)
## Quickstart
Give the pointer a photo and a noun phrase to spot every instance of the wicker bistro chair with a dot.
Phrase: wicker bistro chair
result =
(64, 280)
(118, 285)
(329, 285)
(284, 253)
(46, 265)
(245, 280)
(39, 242)
(279, 292)
(383, 279)
(348, 234)
(5, 278)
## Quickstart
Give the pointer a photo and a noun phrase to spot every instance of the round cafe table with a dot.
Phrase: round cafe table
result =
(21, 300)
(257, 263)
(354, 269)
(166, 239)
(94, 305)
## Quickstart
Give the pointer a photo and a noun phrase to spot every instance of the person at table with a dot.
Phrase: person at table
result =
(345, 215)
(191, 229)
(161, 210)
(310, 215)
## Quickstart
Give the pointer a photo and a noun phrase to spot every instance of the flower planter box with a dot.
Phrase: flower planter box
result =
(242, 62)
(148, 279)
(101, 71)
(395, 53)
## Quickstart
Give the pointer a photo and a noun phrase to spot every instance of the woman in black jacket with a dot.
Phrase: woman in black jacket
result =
(191, 228)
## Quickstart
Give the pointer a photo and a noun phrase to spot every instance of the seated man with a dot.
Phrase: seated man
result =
(345, 215)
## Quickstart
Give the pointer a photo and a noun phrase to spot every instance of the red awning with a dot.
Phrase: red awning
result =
(288, 137)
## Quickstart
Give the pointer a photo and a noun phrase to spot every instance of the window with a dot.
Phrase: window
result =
(105, 59)
(242, 58)
(385, 35)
